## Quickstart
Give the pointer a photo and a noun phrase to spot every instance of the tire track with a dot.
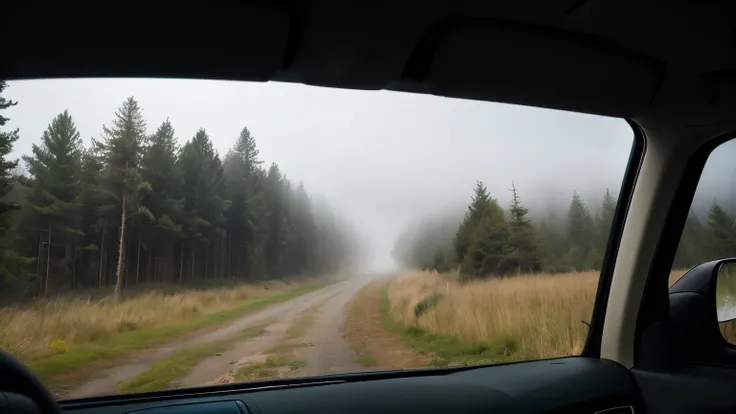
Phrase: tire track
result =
(107, 383)
(321, 350)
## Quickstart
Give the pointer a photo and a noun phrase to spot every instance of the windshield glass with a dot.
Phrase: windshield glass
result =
(175, 233)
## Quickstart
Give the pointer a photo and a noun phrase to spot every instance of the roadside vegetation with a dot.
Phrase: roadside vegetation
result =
(446, 322)
(497, 319)
(497, 286)
(73, 336)
(515, 318)
(375, 337)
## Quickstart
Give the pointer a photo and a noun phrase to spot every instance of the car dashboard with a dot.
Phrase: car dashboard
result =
(557, 385)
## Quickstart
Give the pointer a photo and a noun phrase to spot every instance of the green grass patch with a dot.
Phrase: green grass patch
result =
(268, 368)
(121, 345)
(446, 350)
(366, 361)
(426, 304)
(364, 357)
(159, 375)
(284, 348)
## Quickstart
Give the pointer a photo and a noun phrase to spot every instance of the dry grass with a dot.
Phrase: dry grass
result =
(375, 347)
(46, 327)
(533, 316)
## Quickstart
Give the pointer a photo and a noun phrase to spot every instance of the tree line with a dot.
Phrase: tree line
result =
(135, 207)
(489, 240)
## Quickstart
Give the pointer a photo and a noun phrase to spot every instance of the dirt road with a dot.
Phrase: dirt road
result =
(306, 328)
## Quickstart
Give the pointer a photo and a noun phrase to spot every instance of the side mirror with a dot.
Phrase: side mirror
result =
(704, 297)
(726, 292)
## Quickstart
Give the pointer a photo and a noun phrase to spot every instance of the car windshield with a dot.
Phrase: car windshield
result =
(176, 233)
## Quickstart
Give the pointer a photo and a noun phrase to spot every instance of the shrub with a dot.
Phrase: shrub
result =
(427, 303)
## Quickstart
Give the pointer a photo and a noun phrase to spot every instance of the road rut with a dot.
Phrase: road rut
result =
(107, 383)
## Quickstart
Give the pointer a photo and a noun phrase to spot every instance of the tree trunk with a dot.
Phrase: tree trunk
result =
(39, 261)
(119, 270)
(206, 261)
(138, 262)
(48, 261)
(237, 270)
(230, 255)
(194, 256)
(126, 265)
(74, 269)
(181, 262)
(102, 255)
(150, 265)
(215, 258)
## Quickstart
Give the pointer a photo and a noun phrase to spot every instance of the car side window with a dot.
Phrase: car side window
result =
(710, 232)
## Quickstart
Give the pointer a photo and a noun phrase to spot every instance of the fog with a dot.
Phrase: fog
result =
(381, 160)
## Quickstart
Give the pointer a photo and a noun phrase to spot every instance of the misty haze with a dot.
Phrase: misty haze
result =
(165, 233)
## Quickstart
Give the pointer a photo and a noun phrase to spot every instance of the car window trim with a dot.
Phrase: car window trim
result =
(592, 348)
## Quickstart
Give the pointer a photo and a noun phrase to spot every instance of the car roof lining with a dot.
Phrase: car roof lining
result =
(659, 63)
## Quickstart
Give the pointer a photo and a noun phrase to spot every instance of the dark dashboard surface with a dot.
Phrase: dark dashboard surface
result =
(550, 386)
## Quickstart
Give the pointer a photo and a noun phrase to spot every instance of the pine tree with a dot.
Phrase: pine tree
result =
(94, 224)
(7, 139)
(693, 247)
(579, 233)
(165, 202)
(9, 259)
(300, 241)
(605, 220)
(55, 167)
(245, 148)
(276, 190)
(138, 208)
(521, 254)
(218, 206)
(204, 205)
(121, 148)
(477, 209)
(721, 232)
(243, 178)
(553, 245)
(488, 244)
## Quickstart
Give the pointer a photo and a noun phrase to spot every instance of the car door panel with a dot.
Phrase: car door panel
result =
(691, 388)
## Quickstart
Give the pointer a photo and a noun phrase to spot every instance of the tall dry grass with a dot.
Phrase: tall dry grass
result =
(28, 330)
(541, 315)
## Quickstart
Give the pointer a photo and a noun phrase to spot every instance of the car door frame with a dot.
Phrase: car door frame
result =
(670, 169)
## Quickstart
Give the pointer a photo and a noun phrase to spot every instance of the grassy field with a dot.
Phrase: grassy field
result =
(59, 336)
(496, 319)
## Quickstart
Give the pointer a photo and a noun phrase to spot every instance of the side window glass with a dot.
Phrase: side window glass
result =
(710, 232)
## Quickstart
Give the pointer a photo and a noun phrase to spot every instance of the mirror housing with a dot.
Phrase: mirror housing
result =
(694, 331)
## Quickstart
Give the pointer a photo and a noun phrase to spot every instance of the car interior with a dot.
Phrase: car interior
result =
(668, 68)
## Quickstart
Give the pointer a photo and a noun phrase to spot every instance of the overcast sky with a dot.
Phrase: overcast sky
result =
(380, 159)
